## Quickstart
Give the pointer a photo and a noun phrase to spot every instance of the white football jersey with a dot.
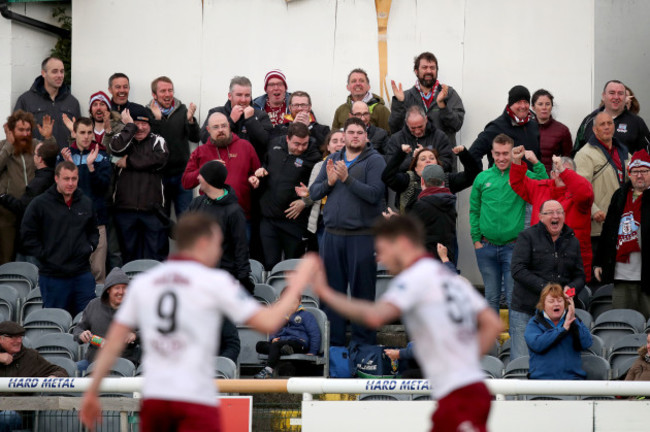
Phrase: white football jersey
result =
(439, 310)
(178, 308)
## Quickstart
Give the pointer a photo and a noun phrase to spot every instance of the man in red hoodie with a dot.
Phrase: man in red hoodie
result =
(567, 187)
(238, 155)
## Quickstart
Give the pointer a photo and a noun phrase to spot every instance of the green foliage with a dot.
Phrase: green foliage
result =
(63, 47)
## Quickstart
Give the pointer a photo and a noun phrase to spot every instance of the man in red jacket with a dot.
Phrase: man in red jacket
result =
(567, 187)
(238, 155)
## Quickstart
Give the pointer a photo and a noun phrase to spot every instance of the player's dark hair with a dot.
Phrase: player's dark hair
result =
(191, 227)
(398, 226)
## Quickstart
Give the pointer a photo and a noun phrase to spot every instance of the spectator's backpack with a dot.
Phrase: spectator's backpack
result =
(340, 362)
(369, 361)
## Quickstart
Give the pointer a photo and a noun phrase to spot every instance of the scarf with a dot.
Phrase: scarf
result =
(517, 120)
(276, 114)
(433, 190)
(628, 229)
(427, 99)
(367, 98)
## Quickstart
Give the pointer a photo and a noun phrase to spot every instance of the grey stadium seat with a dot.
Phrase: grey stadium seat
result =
(492, 366)
(597, 347)
(597, 368)
(138, 266)
(224, 368)
(625, 348)
(33, 302)
(585, 317)
(121, 368)
(9, 302)
(249, 337)
(616, 323)
(277, 277)
(622, 369)
(75, 321)
(23, 276)
(257, 271)
(67, 364)
(517, 368)
(265, 293)
(322, 358)
(504, 352)
(601, 300)
(46, 321)
(57, 345)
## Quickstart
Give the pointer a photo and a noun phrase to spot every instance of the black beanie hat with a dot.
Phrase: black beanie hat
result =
(139, 113)
(518, 93)
(214, 173)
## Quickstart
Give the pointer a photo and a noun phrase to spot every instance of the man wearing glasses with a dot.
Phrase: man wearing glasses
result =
(547, 252)
(376, 135)
(620, 257)
(299, 112)
(18, 361)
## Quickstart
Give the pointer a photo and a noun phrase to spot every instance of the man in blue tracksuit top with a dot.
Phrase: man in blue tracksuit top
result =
(351, 180)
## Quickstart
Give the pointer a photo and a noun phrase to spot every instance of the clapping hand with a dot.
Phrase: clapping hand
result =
(126, 117)
(398, 91)
(46, 126)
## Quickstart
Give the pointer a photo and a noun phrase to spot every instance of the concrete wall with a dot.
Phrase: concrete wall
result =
(621, 47)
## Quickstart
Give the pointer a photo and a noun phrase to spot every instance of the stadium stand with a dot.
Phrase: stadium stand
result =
(224, 368)
(121, 368)
(597, 368)
(611, 325)
(585, 317)
(138, 266)
(517, 369)
(257, 271)
(57, 345)
(45, 321)
(67, 364)
(504, 352)
(601, 300)
(265, 293)
(9, 302)
(625, 348)
(492, 366)
(23, 276)
(33, 302)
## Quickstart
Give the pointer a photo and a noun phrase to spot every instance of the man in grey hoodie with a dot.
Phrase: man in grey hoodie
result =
(98, 315)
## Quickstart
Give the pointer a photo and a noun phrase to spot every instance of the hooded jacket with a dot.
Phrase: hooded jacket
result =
(433, 138)
(640, 370)
(537, 261)
(554, 351)
(60, 237)
(98, 315)
(233, 225)
(436, 209)
(448, 119)
(301, 326)
(178, 132)
(139, 186)
(379, 113)
(526, 135)
(256, 129)
(594, 163)
(606, 254)
(576, 199)
(286, 171)
(352, 207)
(630, 130)
(38, 102)
(241, 161)
(94, 184)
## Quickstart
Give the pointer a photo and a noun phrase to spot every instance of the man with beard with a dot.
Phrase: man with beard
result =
(99, 105)
(248, 122)
(237, 154)
(175, 122)
(442, 104)
(300, 112)
(50, 96)
(60, 230)
(17, 169)
(359, 88)
(517, 121)
(377, 136)
(275, 100)
(138, 187)
(419, 130)
(351, 180)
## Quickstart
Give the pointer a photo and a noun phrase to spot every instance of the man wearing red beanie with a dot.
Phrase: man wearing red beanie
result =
(275, 100)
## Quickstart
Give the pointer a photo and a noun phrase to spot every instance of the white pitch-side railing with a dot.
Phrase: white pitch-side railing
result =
(311, 386)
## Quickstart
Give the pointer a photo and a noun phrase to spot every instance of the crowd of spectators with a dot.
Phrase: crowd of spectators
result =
(282, 182)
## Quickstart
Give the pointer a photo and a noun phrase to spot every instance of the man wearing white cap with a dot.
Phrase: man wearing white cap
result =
(275, 100)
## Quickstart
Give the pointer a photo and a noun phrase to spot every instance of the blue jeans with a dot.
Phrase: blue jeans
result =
(176, 193)
(494, 264)
(10, 420)
(72, 294)
(518, 323)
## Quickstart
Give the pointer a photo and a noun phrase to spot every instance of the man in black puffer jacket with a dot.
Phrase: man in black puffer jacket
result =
(547, 252)
(60, 229)
(284, 221)
(219, 201)
(436, 208)
(418, 130)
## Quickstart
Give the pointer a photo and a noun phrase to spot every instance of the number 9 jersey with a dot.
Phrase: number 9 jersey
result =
(178, 308)
(439, 310)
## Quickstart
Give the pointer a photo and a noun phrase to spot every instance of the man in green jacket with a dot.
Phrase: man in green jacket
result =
(497, 216)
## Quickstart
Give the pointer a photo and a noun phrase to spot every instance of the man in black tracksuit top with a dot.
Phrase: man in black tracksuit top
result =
(59, 228)
(284, 223)
(219, 201)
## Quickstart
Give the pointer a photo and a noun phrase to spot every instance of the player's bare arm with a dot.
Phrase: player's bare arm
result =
(489, 327)
(270, 319)
(370, 314)
(115, 342)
